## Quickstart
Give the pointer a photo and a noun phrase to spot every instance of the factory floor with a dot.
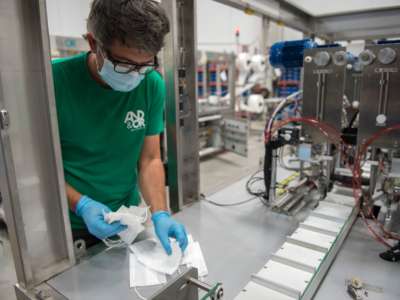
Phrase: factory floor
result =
(216, 172)
(7, 271)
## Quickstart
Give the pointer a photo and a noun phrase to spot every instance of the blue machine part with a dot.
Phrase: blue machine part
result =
(291, 74)
(351, 58)
(289, 54)
(357, 66)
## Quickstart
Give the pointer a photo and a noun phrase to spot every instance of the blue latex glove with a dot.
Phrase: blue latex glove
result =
(92, 213)
(166, 227)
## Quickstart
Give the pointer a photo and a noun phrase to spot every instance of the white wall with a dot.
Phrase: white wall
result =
(216, 25)
(215, 31)
(67, 17)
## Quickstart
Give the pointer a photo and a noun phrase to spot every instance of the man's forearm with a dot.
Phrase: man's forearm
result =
(73, 196)
(152, 184)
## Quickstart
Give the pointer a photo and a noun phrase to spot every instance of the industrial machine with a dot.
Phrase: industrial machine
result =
(345, 168)
(219, 130)
(252, 71)
(328, 143)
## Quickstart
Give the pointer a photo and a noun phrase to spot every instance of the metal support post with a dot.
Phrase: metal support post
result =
(31, 174)
(265, 35)
(232, 82)
(180, 70)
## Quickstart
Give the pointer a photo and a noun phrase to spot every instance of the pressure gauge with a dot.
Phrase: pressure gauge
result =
(340, 58)
(387, 55)
(322, 58)
(366, 57)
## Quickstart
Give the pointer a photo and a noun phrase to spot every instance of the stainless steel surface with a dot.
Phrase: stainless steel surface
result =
(180, 69)
(32, 181)
(358, 257)
(380, 97)
(323, 89)
(236, 242)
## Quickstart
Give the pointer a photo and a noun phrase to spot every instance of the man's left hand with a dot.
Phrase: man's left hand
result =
(165, 227)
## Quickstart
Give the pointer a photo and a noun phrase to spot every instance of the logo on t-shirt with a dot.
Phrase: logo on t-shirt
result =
(135, 120)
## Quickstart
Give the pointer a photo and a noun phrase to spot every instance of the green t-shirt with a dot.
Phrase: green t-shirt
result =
(102, 132)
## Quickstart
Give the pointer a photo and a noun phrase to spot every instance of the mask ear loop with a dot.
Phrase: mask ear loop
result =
(113, 243)
(138, 294)
(146, 216)
(120, 243)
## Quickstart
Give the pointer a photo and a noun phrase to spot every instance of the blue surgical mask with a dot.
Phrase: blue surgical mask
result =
(117, 81)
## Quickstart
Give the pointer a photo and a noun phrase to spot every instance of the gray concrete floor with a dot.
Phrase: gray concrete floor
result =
(216, 172)
(7, 271)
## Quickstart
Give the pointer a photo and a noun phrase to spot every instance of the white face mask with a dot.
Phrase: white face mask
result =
(151, 254)
(140, 275)
(118, 81)
(134, 217)
(149, 264)
(193, 257)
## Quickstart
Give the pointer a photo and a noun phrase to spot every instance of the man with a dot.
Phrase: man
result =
(110, 112)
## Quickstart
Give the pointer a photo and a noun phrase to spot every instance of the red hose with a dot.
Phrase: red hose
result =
(335, 136)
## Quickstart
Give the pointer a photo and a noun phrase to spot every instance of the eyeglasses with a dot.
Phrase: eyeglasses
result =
(125, 67)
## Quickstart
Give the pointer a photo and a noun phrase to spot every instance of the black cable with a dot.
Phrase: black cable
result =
(353, 119)
(251, 181)
(204, 198)
(259, 194)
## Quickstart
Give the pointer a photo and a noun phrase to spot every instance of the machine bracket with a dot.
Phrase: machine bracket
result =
(4, 119)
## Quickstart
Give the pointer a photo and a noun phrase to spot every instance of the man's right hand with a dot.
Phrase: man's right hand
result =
(92, 213)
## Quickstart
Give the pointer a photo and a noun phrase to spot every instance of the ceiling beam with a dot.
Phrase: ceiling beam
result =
(372, 24)
(277, 11)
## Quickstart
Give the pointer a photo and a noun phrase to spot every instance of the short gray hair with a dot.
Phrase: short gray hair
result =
(140, 24)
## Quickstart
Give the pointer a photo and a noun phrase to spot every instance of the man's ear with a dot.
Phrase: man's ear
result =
(92, 42)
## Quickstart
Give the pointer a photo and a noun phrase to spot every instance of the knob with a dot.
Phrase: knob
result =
(340, 58)
(366, 57)
(386, 55)
(322, 58)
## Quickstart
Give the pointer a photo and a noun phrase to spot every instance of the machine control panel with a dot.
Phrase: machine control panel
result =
(323, 86)
(380, 102)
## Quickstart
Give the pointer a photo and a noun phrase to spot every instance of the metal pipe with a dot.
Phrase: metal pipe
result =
(200, 284)
(272, 189)
(374, 171)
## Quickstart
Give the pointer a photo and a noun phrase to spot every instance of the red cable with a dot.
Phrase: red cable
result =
(357, 175)
(332, 134)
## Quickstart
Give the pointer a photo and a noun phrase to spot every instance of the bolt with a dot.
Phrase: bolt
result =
(308, 59)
